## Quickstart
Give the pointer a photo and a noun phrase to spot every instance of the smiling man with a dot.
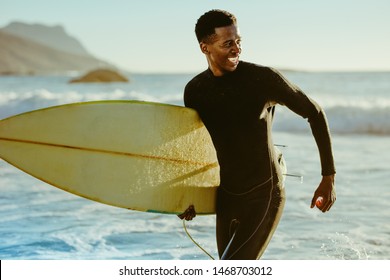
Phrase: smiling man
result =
(236, 100)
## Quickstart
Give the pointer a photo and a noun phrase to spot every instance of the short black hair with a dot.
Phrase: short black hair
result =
(206, 24)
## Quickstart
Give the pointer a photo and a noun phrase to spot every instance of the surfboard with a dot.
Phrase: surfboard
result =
(131, 154)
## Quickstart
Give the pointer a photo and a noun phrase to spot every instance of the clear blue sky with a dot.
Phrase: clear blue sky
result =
(158, 36)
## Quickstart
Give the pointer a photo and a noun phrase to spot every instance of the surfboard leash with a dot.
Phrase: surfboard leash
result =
(196, 243)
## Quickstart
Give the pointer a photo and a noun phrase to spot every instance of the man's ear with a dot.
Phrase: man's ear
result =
(204, 48)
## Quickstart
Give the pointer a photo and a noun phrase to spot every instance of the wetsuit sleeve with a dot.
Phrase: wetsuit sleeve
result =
(291, 96)
(189, 98)
(186, 96)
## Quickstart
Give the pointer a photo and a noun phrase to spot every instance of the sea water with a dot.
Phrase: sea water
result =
(38, 221)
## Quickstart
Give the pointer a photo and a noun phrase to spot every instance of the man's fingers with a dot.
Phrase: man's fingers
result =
(189, 214)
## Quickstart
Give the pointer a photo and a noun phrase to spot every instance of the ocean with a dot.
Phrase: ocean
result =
(38, 221)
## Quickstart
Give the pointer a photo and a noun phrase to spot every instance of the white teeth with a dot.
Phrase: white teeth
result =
(233, 59)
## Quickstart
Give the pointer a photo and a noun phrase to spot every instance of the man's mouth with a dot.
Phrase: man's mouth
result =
(233, 59)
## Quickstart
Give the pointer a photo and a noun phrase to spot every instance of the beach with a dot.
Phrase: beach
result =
(38, 221)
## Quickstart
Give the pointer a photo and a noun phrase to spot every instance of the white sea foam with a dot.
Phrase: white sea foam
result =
(366, 116)
(344, 117)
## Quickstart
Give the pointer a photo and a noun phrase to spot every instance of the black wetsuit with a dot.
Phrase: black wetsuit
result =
(237, 109)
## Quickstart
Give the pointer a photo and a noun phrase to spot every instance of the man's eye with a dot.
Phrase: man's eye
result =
(227, 45)
(231, 43)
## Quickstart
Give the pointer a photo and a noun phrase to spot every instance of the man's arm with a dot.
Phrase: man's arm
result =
(291, 96)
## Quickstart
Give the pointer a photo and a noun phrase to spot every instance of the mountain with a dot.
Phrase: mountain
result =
(39, 49)
(51, 36)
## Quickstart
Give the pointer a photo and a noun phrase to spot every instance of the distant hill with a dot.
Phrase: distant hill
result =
(51, 36)
(39, 49)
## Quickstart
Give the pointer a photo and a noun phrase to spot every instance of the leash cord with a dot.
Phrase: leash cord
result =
(190, 237)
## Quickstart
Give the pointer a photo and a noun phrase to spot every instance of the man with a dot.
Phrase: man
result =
(236, 100)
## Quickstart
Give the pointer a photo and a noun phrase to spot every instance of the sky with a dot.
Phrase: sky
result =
(155, 36)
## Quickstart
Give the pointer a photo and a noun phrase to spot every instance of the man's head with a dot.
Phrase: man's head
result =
(205, 27)
(220, 40)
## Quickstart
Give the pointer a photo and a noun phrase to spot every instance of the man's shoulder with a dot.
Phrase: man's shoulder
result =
(199, 77)
(197, 81)
(248, 66)
(194, 88)
(257, 71)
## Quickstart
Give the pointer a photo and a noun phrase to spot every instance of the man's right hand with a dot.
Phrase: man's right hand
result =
(189, 214)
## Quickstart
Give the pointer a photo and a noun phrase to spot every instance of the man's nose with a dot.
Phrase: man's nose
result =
(236, 48)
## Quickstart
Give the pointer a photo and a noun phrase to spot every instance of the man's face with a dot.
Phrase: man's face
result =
(223, 49)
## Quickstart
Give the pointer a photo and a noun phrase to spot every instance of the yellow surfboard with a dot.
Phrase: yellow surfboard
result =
(130, 154)
(135, 155)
